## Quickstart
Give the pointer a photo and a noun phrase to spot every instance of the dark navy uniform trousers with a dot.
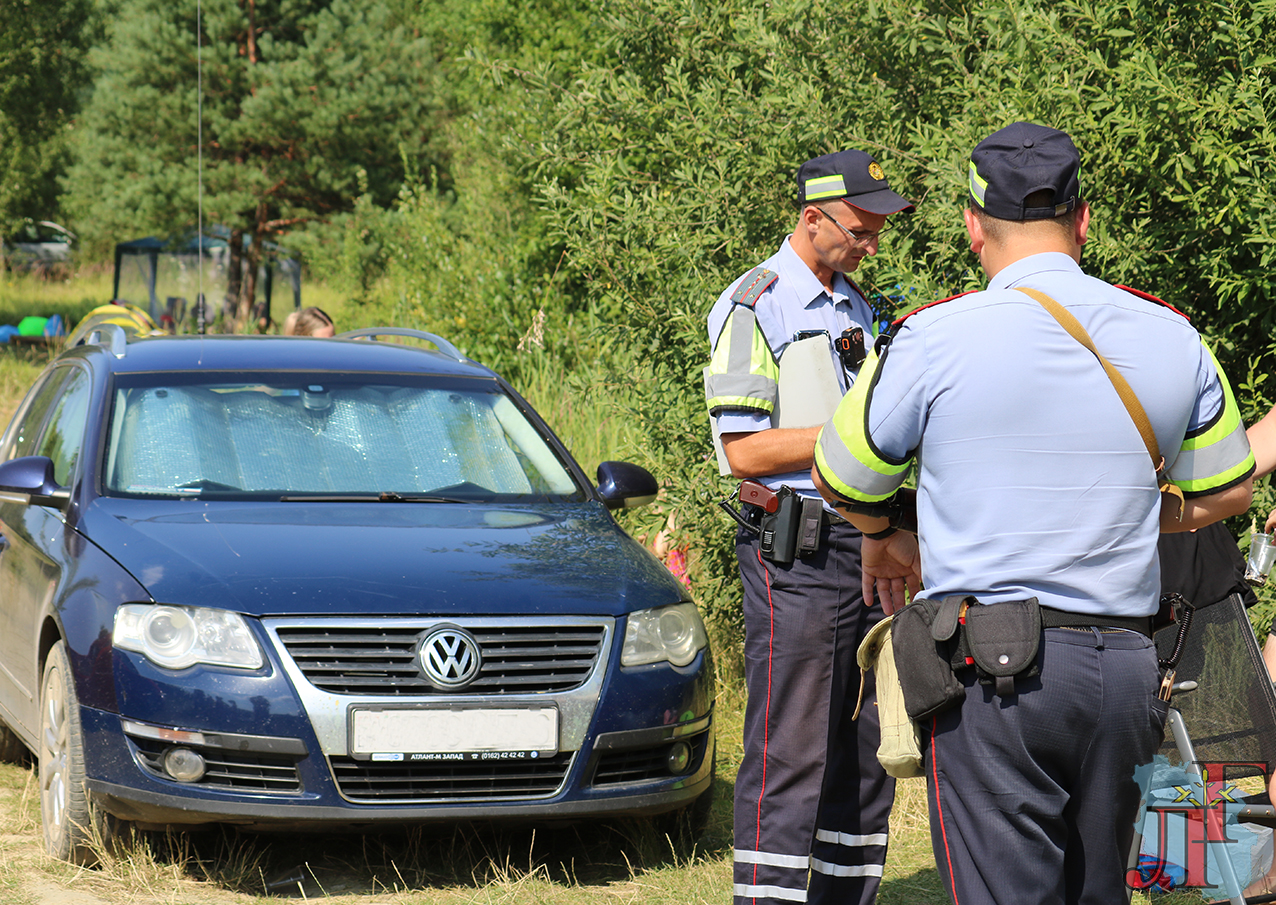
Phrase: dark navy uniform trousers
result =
(1033, 797)
(811, 800)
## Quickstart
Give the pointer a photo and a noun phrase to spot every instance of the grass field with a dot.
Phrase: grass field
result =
(615, 863)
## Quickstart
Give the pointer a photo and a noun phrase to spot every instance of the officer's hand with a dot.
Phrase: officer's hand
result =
(891, 567)
(1271, 522)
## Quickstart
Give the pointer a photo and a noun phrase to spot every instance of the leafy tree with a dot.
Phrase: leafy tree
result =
(468, 253)
(301, 100)
(664, 168)
(43, 64)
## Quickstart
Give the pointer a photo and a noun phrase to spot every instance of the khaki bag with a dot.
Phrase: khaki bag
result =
(900, 751)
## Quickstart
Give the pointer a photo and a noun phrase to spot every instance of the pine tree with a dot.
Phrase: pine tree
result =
(299, 97)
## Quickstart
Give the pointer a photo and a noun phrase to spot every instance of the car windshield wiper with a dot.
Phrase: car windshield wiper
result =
(386, 496)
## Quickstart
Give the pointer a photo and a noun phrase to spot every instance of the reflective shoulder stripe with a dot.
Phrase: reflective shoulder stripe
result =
(847, 461)
(1217, 455)
(755, 282)
(742, 375)
(899, 320)
(1148, 297)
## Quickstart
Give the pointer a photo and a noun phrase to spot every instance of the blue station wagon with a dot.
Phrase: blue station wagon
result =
(328, 584)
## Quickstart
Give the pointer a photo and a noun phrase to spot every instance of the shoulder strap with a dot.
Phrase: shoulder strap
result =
(1122, 386)
(755, 282)
(1149, 297)
(903, 317)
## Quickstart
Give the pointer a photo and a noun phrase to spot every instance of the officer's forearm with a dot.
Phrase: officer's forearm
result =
(773, 451)
(869, 524)
(1200, 511)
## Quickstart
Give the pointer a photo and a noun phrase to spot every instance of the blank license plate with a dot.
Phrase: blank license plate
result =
(529, 731)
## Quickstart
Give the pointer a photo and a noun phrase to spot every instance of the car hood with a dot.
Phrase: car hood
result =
(380, 558)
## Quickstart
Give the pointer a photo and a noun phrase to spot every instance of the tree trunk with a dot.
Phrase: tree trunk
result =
(250, 44)
(235, 272)
(249, 294)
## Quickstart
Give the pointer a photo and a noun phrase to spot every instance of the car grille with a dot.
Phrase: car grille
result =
(367, 781)
(644, 764)
(234, 770)
(363, 660)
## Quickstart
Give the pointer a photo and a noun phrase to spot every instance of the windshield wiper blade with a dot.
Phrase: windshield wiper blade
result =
(387, 496)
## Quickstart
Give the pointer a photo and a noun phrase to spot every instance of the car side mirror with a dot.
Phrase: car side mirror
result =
(623, 485)
(33, 477)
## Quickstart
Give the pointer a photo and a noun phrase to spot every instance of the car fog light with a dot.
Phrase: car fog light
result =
(184, 765)
(679, 758)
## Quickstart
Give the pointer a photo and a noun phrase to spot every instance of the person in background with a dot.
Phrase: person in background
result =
(1262, 439)
(309, 322)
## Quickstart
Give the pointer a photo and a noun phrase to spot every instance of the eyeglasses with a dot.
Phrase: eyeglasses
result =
(857, 238)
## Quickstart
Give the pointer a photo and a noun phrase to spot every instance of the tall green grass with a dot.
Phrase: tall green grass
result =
(23, 294)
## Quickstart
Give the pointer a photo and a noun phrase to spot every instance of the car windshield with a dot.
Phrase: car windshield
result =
(294, 436)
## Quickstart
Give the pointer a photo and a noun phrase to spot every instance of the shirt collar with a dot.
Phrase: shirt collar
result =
(804, 283)
(1045, 262)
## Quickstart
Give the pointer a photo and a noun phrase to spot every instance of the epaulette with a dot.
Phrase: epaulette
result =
(899, 320)
(1147, 296)
(755, 282)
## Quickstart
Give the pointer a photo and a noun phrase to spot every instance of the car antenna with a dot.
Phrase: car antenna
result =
(199, 144)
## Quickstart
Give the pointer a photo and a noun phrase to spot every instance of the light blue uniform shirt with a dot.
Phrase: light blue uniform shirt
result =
(1033, 480)
(796, 301)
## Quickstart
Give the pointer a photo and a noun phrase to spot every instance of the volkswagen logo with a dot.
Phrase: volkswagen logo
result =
(450, 657)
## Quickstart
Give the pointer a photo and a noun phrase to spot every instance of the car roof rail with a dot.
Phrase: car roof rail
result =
(442, 344)
(112, 337)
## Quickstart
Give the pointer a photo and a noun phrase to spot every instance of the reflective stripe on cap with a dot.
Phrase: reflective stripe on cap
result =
(978, 185)
(825, 187)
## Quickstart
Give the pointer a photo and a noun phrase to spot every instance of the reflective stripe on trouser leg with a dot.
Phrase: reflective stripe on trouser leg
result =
(797, 670)
(850, 841)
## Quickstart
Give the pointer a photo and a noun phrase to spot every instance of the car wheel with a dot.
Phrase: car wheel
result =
(64, 802)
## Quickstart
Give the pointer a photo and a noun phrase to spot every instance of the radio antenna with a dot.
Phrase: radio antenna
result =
(199, 227)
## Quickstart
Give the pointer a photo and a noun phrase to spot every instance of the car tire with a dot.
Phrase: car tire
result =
(64, 800)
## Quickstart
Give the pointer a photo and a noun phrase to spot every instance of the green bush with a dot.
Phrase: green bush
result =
(600, 196)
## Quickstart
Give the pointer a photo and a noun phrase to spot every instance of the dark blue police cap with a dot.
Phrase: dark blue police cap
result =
(1012, 163)
(852, 175)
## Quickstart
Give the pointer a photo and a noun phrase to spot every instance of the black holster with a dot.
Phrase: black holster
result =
(793, 529)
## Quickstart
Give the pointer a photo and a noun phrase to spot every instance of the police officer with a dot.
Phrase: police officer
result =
(1034, 482)
(810, 797)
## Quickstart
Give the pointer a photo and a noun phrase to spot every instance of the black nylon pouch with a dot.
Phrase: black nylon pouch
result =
(1003, 639)
(924, 639)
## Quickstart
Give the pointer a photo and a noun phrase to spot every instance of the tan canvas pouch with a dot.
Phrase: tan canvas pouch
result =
(900, 751)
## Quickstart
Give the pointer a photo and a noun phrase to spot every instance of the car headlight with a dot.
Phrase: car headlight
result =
(674, 633)
(177, 637)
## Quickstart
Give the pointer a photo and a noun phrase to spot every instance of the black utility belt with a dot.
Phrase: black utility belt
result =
(935, 642)
(1052, 618)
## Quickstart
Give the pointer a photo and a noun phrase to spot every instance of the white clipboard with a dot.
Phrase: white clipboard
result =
(809, 390)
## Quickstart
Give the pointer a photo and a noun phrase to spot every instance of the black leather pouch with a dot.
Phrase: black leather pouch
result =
(924, 638)
(1003, 639)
